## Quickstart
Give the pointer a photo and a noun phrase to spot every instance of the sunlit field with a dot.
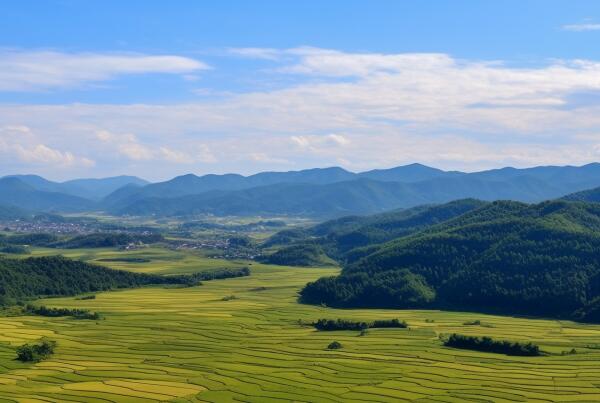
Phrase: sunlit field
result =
(247, 339)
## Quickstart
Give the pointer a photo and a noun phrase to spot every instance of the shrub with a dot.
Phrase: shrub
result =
(57, 312)
(339, 324)
(36, 352)
(334, 345)
(86, 297)
(342, 324)
(487, 344)
(389, 323)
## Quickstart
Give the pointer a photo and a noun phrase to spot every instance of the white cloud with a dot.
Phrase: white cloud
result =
(128, 145)
(43, 70)
(19, 142)
(581, 27)
(256, 53)
(365, 110)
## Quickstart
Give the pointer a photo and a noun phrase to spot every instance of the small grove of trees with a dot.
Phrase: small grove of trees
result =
(334, 345)
(57, 312)
(342, 324)
(487, 344)
(36, 352)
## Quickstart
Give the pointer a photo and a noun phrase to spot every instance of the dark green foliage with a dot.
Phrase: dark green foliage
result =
(487, 344)
(353, 232)
(59, 276)
(58, 312)
(33, 239)
(339, 324)
(287, 236)
(15, 250)
(218, 274)
(104, 240)
(86, 297)
(305, 254)
(592, 195)
(343, 324)
(334, 345)
(505, 257)
(352, 237)
(390, 289)
(126, 259)
(389, 323)
(36, 352)
(472, 323)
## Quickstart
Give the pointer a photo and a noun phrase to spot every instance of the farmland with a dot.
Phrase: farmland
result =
(247, 339)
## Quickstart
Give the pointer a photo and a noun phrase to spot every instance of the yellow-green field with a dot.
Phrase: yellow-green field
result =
(188, 344)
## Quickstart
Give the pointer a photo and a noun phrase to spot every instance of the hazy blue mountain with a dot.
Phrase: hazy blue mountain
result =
(564, 178)
(340, 198)
(408, 173)
(13, 213)
(322, 192)
(85, 188)
(15, 192)
(38, 183)
(191, 184)
(98, 188)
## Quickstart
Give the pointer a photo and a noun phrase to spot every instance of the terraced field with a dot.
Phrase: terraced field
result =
(189, 344)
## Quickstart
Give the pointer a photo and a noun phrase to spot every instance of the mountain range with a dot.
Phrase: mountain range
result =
(318, 192)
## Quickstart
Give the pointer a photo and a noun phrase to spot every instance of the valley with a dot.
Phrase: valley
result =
(189, 344)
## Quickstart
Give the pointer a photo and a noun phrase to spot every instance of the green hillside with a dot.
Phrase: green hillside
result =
(504, 257)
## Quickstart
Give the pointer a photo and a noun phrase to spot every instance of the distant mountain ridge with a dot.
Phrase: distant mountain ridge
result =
(92, 188)
(318, 192)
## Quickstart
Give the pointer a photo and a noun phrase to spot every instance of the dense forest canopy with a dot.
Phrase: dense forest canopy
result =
(22, 279)
(505, 257)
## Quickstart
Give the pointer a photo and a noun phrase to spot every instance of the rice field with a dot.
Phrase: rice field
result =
(194, 345)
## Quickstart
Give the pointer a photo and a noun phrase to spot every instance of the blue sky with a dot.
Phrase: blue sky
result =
(157, 88)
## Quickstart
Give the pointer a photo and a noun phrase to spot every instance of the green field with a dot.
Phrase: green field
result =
(188, 344)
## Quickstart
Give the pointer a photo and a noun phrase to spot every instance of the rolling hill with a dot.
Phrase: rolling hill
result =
(94, 189)
(319, 193)
(14, 192)
(504, 257)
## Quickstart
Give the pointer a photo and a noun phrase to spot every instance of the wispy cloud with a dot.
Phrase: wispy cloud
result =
(46, 70)
(20, 143)
(581, 27)
(365, 109)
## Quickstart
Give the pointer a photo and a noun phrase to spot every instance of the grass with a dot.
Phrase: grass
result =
(189, 344)
(161, 260)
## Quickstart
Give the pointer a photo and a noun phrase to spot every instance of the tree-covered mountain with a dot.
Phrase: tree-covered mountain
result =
(94, 189)
(14, 192)
(321, 192)
(508, 257)
(343, 238)
(334, 192)
(591, 195)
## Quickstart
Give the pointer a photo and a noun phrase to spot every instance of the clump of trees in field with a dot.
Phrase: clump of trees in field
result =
(58, 312)
(343, 324)
(334, 345)
(36, 352)
(487, 344)
(25, 279)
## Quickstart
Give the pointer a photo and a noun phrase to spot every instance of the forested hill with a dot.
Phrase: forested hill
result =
(505, 257)
(591, 195)
(340, 237)
(22, 279)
